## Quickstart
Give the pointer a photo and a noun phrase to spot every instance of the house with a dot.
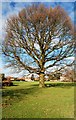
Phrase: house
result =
(28, 78)
(65, 78)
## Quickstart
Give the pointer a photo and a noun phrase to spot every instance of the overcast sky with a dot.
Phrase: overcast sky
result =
(10, 7)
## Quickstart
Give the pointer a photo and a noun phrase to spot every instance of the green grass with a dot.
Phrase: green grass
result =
(27, 100)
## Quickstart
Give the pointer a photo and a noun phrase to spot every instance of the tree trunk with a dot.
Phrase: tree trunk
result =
(41, 81)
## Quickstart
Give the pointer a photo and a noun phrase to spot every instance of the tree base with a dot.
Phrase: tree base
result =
(42, 86)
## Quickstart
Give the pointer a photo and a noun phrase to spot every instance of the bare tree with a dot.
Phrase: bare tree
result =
(37, 39)
(32, 77)
(69, 74)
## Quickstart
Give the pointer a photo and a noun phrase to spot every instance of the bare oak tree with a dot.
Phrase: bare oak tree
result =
(70, 75)
(37, 39)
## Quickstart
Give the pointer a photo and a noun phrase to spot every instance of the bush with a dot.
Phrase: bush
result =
(7, 83)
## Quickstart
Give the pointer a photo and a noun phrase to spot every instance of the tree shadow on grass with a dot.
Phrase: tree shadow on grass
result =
(66, 84)
(63, 85)
(19, 92)
(16, 95)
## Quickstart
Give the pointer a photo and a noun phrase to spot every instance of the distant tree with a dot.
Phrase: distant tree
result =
(54, 76)
(2, 76)
(38, 38)
(32, 77)
(57, 76)
(70, 75)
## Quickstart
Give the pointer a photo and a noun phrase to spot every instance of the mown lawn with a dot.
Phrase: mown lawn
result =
(27, 100)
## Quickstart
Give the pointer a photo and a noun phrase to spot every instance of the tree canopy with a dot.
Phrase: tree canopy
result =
(39, 38)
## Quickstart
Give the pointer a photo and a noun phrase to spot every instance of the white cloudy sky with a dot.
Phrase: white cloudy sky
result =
(9, 7)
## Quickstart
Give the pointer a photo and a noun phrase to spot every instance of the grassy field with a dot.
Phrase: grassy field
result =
(27, 100)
